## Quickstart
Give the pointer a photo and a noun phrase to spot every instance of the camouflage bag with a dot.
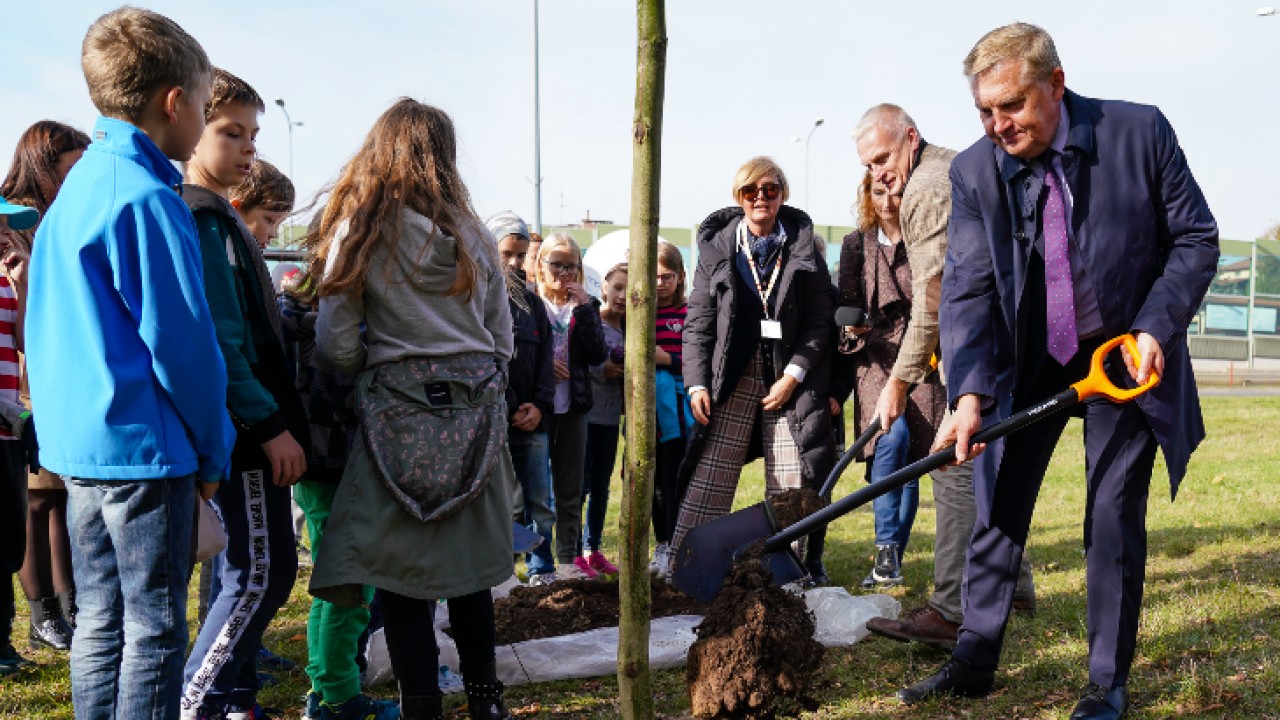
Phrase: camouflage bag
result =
(433, 429)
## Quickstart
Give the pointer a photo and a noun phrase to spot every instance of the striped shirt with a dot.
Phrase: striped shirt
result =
(670, 325)
(667, 333)
(9, 370)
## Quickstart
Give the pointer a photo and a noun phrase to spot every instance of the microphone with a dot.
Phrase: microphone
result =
(847, 316)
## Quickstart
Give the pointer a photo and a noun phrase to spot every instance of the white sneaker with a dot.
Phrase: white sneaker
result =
(542, 579)
(569, 571)
(660, 565)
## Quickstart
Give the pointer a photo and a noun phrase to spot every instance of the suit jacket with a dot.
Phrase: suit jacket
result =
(1146, 237)
(926, 203)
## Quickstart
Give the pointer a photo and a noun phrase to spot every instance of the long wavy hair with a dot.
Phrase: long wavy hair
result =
(408, 161)
(33, 178)
(868, 220)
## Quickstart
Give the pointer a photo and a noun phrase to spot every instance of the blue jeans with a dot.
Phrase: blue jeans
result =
(895, 511)
(531, 458)
(131, 552)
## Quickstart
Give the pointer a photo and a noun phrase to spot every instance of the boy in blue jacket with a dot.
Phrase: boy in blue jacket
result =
(124, 365)
(260, 563)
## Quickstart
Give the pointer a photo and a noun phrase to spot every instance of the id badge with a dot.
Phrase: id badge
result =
(770, 330)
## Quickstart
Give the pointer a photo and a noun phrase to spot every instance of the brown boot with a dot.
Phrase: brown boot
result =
(923, 625)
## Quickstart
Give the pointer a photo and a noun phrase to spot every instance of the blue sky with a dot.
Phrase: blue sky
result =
(744, 78)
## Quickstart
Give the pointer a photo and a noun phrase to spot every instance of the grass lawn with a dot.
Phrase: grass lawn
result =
(1209, 645)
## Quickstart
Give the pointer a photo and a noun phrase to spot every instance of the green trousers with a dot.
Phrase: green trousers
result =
(332, 630)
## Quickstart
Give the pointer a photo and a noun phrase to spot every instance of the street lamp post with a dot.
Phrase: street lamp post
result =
(280, 102)
(537, 131)
(291, 124)
(816, 124)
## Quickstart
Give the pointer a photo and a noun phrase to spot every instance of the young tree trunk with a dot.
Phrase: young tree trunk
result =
(635, 696)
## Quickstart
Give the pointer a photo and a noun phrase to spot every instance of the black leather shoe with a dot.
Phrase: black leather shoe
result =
(955, 677)
(48, 627)
(1098, 703)
(818, 576)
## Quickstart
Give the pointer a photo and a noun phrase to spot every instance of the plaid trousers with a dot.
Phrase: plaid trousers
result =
(715, 479)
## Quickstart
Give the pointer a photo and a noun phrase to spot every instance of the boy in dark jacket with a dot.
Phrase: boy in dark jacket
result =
(260, 563)
(531, 388)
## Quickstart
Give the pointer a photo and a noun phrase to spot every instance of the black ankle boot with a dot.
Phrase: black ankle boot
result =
(48, 627)
(422, 707)
(484, 693)
(67, 600)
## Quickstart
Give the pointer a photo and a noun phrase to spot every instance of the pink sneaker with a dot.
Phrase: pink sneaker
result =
(601, 563)
(585, 567)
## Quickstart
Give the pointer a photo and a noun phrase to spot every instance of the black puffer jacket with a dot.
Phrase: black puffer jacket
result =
(531, 376)
(803, 306)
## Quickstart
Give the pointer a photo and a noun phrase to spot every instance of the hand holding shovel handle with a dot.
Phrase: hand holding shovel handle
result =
(1095, 384)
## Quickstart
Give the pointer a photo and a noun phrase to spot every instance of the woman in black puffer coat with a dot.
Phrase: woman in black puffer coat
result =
(757, 349)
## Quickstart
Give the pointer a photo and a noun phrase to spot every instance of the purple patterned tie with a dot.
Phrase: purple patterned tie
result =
(1062, 339)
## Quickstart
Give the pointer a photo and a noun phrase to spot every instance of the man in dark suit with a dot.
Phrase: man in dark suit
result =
(1072, 221)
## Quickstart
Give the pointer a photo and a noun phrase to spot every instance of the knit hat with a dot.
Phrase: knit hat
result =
(506, 223)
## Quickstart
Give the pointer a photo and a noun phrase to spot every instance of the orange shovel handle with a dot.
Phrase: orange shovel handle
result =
(1097, 382)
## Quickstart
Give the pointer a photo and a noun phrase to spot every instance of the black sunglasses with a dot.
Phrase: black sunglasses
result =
(770, 190)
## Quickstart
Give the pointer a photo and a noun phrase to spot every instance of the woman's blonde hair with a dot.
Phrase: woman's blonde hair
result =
(754, 169)
(408, 162)
(669, 255)
(553, 241)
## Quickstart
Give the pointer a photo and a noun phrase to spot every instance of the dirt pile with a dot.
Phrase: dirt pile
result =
(755, 655)
(755, 650)
(791, 506)
(570, 606)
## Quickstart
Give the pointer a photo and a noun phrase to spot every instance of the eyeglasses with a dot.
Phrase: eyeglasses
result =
(770, 190)
(561, 268)
(667, 278)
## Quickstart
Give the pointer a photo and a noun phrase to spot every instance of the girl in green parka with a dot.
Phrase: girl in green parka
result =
(424, 507)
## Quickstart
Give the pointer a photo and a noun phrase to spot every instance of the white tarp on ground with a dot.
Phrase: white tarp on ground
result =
(841, 621)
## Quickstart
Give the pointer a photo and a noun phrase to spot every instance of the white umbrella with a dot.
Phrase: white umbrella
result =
(603, 254)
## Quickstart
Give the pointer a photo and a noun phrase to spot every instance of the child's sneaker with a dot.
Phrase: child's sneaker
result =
(360, 707)
(272, 662)
(660, 565)
(540, 579)
(601, 564)
(584, 565)
(576, 570)
(311, 706)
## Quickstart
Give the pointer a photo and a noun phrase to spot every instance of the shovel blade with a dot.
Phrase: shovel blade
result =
(703, 560)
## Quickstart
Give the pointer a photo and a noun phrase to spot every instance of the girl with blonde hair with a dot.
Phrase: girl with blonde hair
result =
(579, 343)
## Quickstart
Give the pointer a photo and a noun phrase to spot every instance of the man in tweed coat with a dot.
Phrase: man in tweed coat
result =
(892, 149)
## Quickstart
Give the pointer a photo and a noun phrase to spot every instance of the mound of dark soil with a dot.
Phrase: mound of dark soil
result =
(755, 649)
(570, 606)
(792, 505)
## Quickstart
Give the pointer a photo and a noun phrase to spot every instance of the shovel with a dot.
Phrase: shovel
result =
(708, 551)
(523, 539)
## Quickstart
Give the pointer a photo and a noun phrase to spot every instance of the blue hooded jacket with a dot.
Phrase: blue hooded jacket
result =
(123, 363)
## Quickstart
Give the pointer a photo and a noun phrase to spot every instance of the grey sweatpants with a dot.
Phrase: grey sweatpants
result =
(956, 513)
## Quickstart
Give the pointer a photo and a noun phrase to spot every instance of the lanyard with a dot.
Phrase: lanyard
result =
(764, 292)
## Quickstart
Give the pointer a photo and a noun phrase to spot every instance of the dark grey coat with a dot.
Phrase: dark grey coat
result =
(804, 307)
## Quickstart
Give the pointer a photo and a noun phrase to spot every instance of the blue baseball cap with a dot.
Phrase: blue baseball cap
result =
(20, 217)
